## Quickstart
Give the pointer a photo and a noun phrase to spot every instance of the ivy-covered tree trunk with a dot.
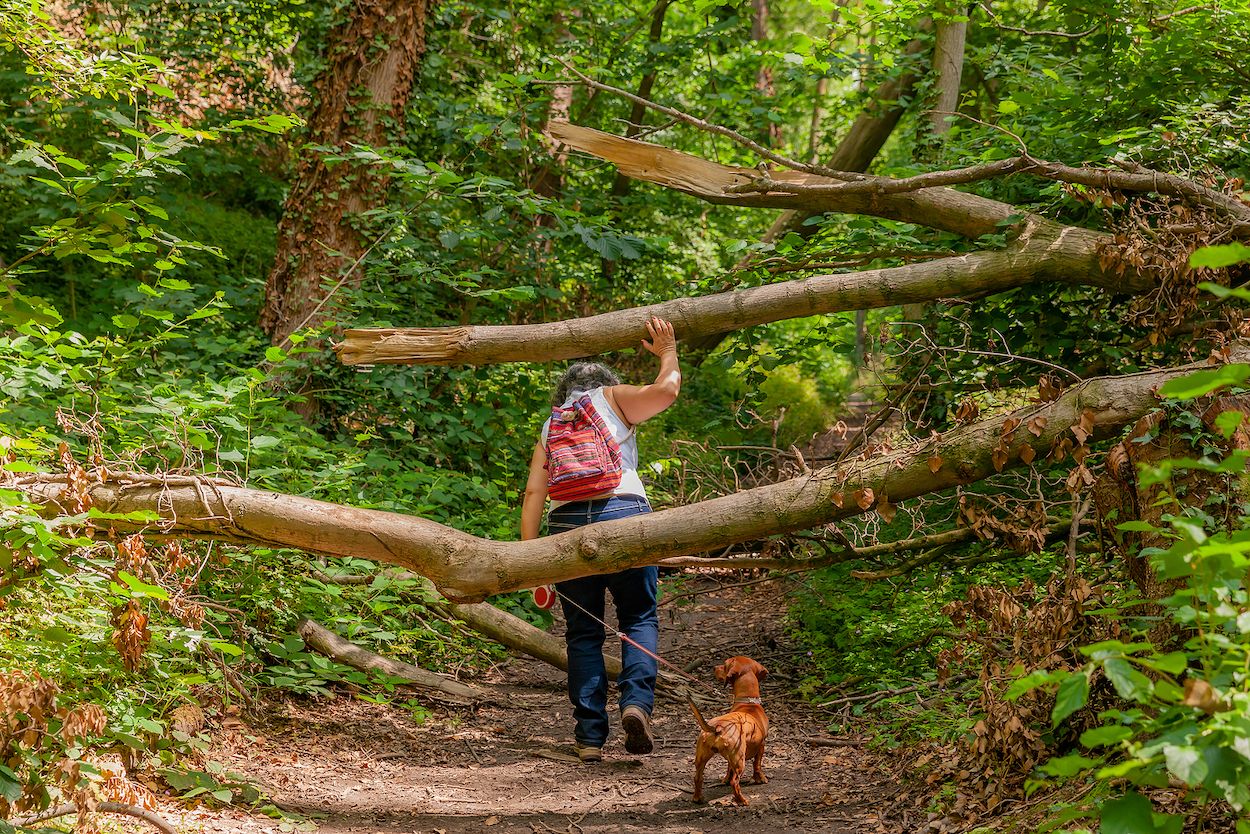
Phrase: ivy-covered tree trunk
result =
(360, 100)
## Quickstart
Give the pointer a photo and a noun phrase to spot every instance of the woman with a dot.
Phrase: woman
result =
(622, 407)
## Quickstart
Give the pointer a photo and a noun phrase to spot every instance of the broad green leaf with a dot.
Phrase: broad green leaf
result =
(1199, 383)
(1128, 682)
(1186, 763)
(1216, 257)
(56, 634)
(1072, 695)
(1227, 422)
(1129, 814)
(139, 588)
(1066, 766)
(1103, 736)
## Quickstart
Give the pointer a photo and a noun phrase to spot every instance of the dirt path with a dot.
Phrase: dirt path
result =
(352, 766)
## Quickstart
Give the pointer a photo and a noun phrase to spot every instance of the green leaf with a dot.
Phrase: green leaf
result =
(1130, 814)
(1073, 694)
(1032, 681)
(1217, 257)
(1186, 763)
(56, 634)
(125, 321)
(226, 648)
(1173, 663)
(139, 588)
(274, 354)
(1066, 766)
(1128, 682)
(1103, 736)
(1007, 107)
(1199, 383)
(1227, 423)
(265, 441)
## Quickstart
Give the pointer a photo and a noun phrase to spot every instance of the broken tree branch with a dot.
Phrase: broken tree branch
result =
(1043, 251)
(326, 642)
(467, 568)
(68, 808)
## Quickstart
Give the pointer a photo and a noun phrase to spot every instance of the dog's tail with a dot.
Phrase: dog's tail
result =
(698, 716)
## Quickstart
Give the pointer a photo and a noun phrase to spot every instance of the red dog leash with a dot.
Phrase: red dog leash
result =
(626, 639)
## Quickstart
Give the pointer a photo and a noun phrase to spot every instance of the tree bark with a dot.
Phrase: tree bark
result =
(620, 183)
(466, 568)
(861, 144)
(362, 88)
(764, 76)
(322, 640)
(948, 65)
(1042, 253)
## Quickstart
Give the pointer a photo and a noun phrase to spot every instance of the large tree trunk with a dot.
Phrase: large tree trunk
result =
(1043, 252)
(948, 66)
(467, 568)
(620, 183)
(364, 87)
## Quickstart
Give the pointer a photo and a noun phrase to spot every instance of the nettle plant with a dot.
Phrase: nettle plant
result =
(1186, 717)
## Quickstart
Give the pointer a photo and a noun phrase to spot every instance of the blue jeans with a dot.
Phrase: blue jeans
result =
(634, 594)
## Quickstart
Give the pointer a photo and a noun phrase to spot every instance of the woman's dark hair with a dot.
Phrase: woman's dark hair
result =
(583, 376)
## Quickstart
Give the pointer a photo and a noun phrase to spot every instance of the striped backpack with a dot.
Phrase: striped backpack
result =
(583, 459)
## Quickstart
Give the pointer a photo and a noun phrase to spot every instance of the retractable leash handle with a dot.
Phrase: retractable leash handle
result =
(545, 596)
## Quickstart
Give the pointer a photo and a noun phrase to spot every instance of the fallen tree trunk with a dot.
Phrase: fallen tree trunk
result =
(1042, 252)
(517, 634)
(326, 642)
(466, 568)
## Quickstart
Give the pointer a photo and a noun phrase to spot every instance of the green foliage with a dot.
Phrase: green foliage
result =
(1184, 702)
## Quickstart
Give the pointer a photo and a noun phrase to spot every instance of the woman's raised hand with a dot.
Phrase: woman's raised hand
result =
(662, 338)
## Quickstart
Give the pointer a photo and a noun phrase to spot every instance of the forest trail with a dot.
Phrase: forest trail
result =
(352, 766)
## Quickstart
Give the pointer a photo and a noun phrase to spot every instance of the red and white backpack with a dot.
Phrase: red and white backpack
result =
(583, 459)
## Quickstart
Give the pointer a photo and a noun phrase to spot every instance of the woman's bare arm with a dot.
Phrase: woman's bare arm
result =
(535, 494)
(637, 403)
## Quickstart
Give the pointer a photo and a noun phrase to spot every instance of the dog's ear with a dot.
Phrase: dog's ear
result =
(760, 671)
(722, 672)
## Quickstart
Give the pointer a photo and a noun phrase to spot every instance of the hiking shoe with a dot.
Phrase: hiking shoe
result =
(587, 753)
(637, 726)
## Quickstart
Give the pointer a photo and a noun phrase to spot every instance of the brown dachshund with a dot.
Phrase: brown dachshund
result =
(737, 735)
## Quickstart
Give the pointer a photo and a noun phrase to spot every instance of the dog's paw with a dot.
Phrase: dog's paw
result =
(759, 779)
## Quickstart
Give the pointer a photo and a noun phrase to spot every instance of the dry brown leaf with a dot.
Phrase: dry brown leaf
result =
(935, 463)
(1200, 694)
(885, 509)
(864, 497)
(1037, 424)
(999, 456)
(968, 411)
(1027, 454)
(836, 498)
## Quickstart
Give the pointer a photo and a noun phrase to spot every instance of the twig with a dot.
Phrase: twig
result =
(101, 807)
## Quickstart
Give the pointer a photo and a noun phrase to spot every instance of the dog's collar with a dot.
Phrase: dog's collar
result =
(756, 700)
